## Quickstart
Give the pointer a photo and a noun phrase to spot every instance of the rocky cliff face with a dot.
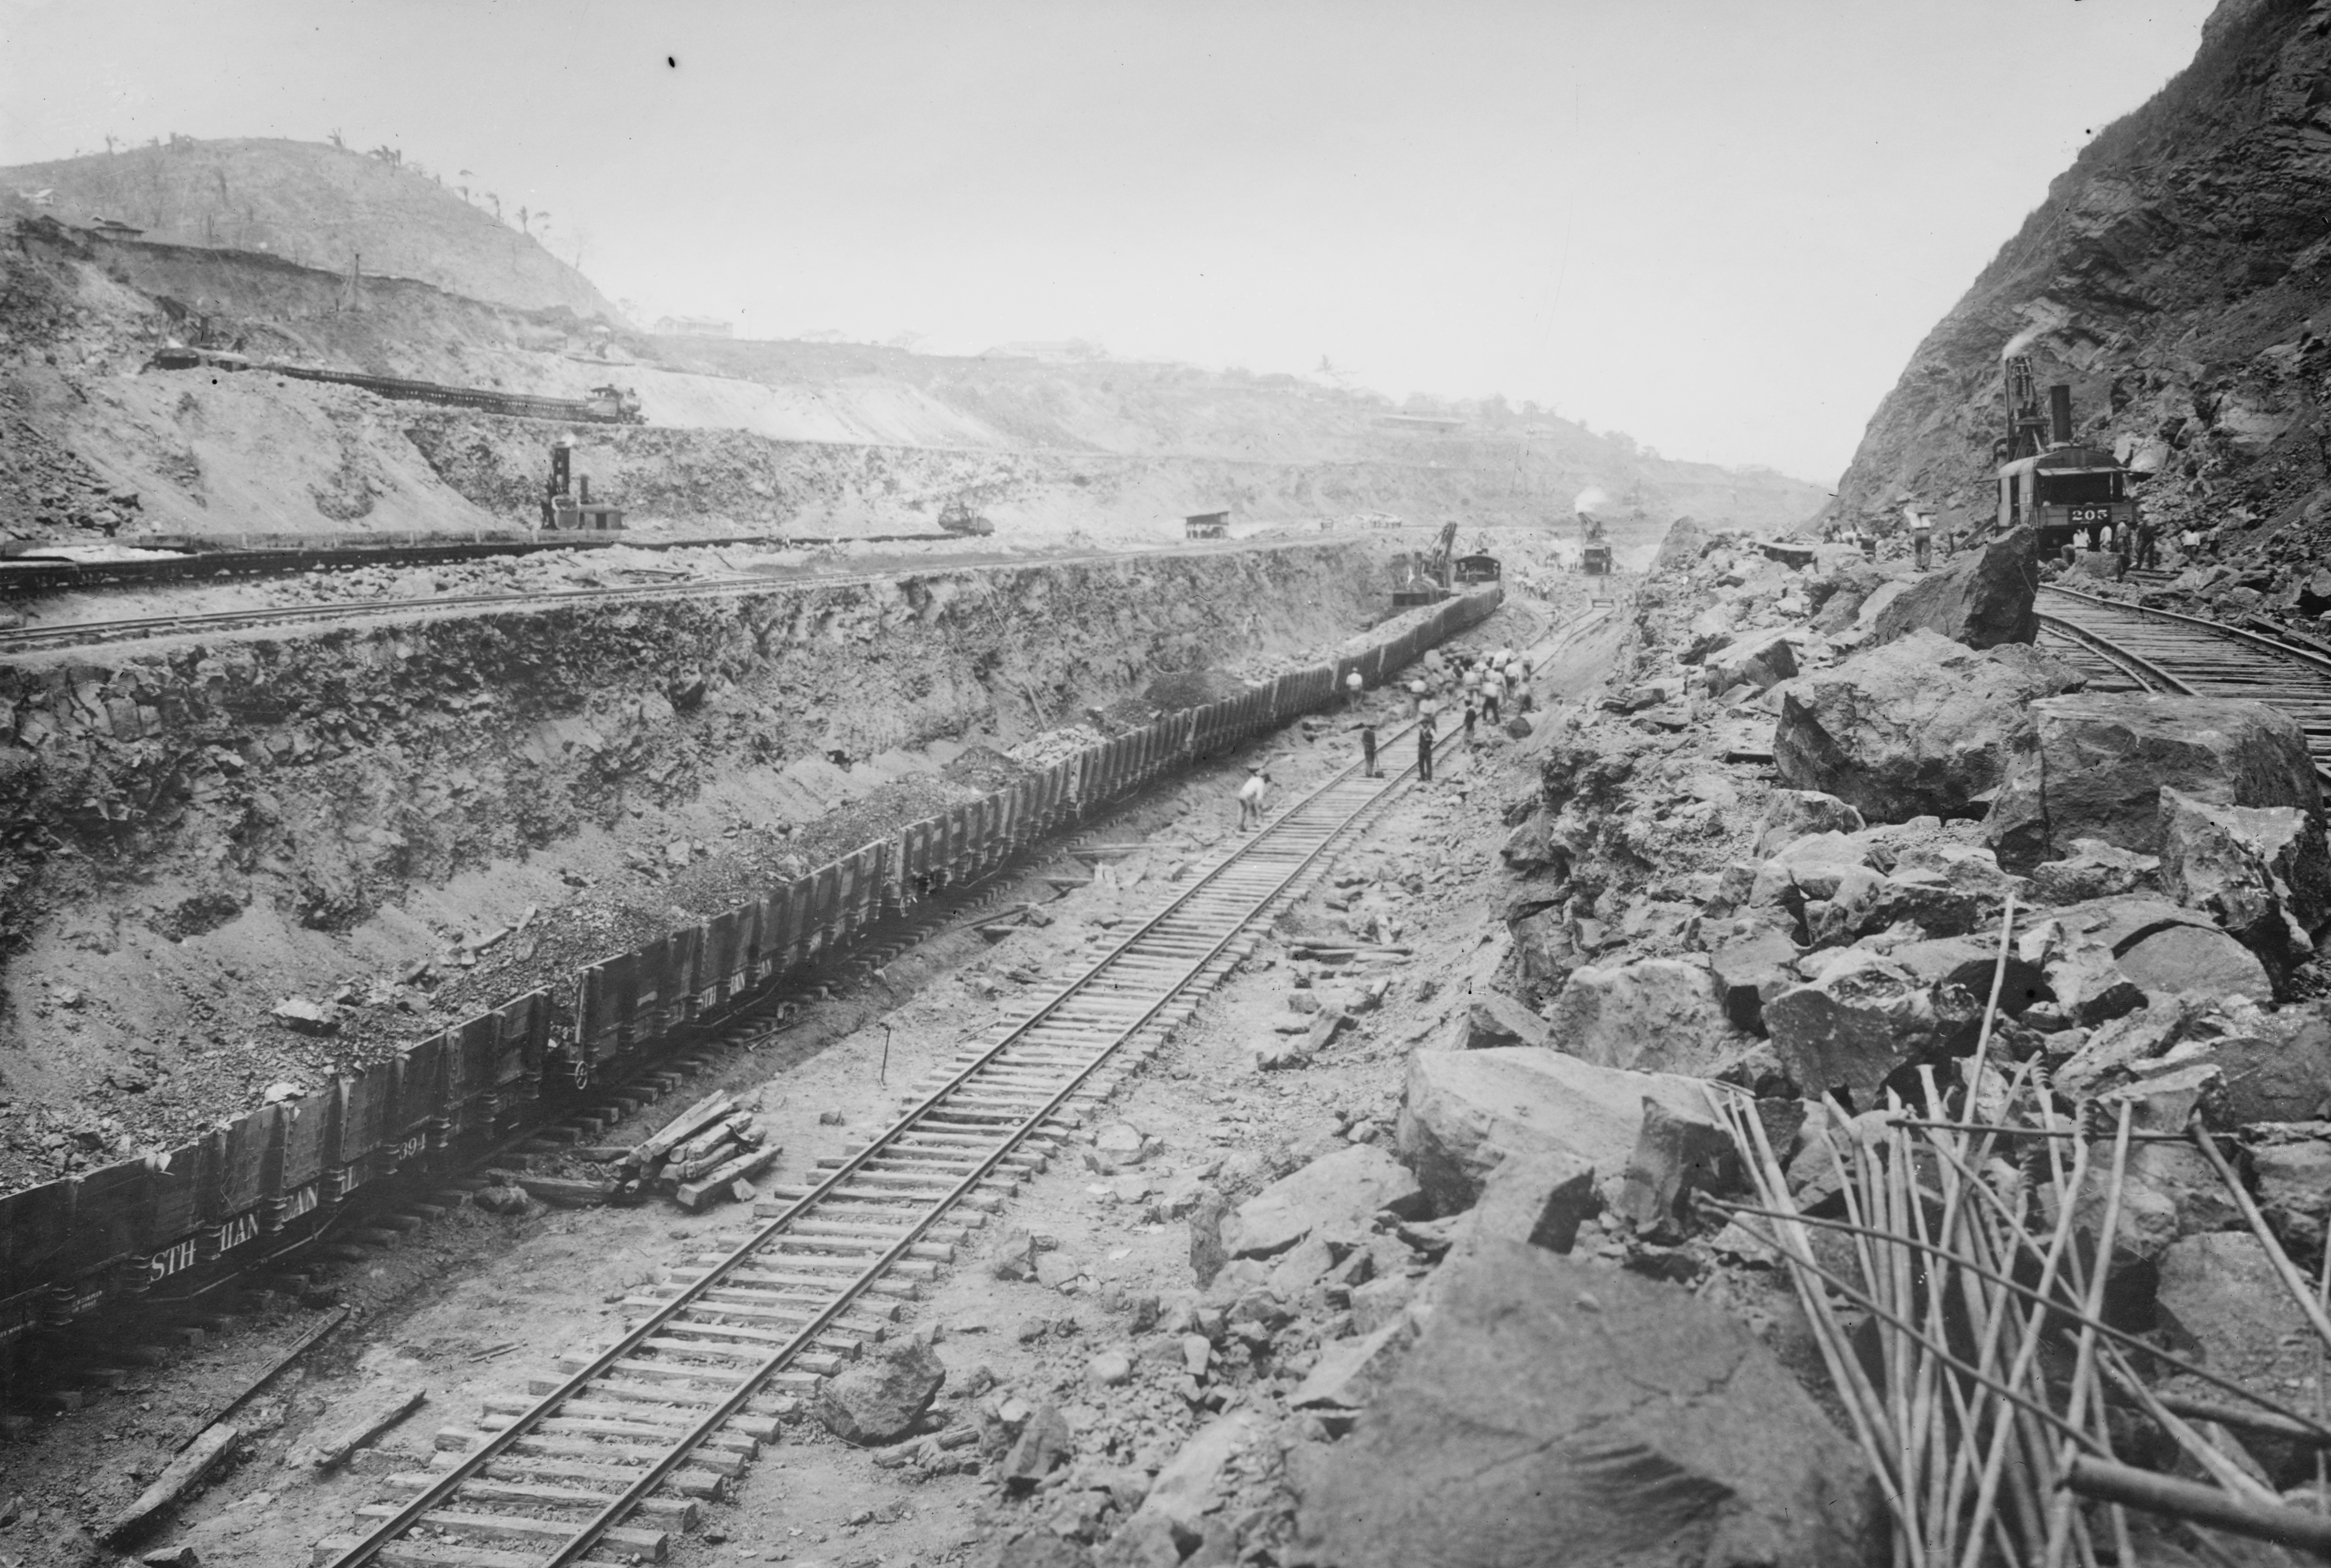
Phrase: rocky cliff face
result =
(2176, 277)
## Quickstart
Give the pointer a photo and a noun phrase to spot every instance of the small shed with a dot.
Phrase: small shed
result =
(1206, 526)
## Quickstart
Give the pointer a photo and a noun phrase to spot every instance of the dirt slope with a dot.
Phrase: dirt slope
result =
(811, 437)
(2175, 276)
(309, 202)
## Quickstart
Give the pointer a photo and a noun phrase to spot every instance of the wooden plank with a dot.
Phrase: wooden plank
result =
(191, 1466)
(693, 1194)
(689, 1122)
(375, 1418)
(300, 1347)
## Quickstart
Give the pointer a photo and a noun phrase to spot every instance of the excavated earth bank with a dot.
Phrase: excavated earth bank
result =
(196, 830)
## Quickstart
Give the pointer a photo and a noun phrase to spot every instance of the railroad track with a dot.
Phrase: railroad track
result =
(2164, 650)
(613, 1454)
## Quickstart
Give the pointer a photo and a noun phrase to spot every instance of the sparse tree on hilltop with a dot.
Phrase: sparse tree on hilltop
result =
(335, 136)
(497, 205)
(109, 144)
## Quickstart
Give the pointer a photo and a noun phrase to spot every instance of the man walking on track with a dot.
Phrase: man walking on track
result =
(1250, 799)
(1368, 746)
(1424, 749)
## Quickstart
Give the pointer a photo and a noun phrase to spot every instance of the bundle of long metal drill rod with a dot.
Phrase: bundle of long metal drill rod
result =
(1955, 1286)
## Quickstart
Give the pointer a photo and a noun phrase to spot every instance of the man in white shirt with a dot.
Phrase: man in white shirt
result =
(1250, 799)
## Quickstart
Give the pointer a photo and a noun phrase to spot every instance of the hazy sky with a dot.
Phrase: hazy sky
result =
(1720, 225)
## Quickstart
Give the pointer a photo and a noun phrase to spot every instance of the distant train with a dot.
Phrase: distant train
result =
(605, 405)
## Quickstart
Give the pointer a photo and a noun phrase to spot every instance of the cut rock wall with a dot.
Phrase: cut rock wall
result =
(193, 830)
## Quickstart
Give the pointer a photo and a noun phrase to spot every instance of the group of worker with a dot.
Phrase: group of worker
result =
(2131, 545)
(1487, 685)
(2134, 544)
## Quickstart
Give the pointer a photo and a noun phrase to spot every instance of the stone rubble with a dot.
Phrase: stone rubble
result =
(1496, 1313)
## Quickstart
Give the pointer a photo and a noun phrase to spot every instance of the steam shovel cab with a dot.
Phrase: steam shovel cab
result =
(2051, 483)
(2065, 494)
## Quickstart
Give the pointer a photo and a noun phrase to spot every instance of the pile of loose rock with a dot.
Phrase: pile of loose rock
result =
(1779, 853)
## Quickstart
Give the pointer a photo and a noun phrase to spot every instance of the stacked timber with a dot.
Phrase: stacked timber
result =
(711, 1150)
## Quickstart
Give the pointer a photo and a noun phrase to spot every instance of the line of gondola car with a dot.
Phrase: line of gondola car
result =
(274, 1179)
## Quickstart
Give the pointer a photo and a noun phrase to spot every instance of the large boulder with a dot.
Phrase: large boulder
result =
(1921, 727)
(2170, 1191)
(2176, 959)
(2104, 959)
(1463, 1111)
(2263, 873)
(2095, 869)
(1794, 814)
(2093, 764)
(1345, 1189)
(1751, 968)
(1554, 1411)
(2221, 1300)
(879, 1397)
(1870, 903)
(1653, 1015)
(1984, 599)
(1495, 1019)
(2271, 1067)
(1861, 1017)
(1840, 592)
(1537, 1199)
(2293, 1166)
(1762, 659)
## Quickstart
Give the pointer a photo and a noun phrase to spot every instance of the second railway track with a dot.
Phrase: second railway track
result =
(613, 1454)
(2163, 650)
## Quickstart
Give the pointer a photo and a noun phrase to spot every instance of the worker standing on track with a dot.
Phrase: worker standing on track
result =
(1424, 749)
(1417, 691)
(1922, 540)
(1368, 746)
(1472, 717)
(1493, 685)
(2148, 545)
(1250, 799)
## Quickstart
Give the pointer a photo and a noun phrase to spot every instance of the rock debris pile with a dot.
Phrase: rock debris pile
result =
(1747, 910)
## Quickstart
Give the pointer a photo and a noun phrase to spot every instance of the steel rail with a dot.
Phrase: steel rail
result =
(2195, 657)
(2144, 670)
(1299, 821)
(2280, 650)
(619, 1504)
